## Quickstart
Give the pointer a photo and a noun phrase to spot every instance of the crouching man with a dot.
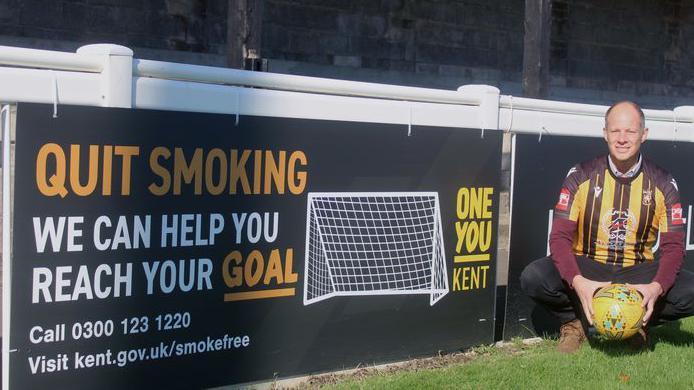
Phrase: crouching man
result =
(606, 222)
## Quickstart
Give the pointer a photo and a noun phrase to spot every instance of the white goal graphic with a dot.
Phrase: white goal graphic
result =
(374, 243)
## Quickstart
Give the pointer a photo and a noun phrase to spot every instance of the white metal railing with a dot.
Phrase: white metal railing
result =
(47, 59)
(106, 75)
(214, 75)
(681, 114)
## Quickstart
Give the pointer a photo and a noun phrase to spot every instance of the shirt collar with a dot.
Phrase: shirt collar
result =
(630, 173)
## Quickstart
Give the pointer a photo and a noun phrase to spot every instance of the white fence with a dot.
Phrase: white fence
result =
(109, 76)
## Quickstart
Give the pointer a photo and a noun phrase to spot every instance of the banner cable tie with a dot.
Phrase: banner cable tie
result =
(674, 126)
(482, 125)
(238, 107)
(55, 94)
(409, 123)
(542, 130)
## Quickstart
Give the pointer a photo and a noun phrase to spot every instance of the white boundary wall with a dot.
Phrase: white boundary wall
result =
(108, 76)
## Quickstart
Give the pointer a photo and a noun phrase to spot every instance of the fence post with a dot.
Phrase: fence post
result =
(490, 120)
(117, 76)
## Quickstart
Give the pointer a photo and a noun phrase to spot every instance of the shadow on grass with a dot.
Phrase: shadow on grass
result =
(673, 334)
(670, 333)
(612, 347)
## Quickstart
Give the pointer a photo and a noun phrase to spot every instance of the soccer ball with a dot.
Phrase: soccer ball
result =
(617, 311)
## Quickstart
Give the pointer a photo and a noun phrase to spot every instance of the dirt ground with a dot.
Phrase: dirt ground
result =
(440, 361)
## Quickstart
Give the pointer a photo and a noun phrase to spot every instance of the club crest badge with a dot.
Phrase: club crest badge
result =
(647, 197)
(617, 225)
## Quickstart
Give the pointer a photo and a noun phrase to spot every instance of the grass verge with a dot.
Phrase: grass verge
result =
(600, 365)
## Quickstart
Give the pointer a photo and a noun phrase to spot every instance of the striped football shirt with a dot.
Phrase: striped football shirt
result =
(618, 218)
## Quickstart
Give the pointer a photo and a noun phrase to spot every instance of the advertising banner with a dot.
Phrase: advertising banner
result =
(540, 168)
(172, 249)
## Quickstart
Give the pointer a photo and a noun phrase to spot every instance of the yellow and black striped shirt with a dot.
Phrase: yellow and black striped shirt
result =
(618, 219)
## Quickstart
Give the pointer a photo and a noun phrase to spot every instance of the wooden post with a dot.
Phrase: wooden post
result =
(244, 31)
(536, 48)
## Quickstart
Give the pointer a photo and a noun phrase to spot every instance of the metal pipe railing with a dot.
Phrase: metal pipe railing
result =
(214, 75)
(521, 103)
(48, 59)
(95, 63)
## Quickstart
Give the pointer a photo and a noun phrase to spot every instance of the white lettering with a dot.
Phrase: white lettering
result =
(49, 229)
(58, 286)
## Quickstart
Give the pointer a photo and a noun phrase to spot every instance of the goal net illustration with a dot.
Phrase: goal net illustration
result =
(374, 243)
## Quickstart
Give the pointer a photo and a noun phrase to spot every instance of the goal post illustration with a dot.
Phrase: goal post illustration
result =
(374, 243)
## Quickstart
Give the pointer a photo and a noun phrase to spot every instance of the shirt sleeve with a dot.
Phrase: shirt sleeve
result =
(560, 245)
(569, 202)
(670, 216)
(564, 225)
(671, 227)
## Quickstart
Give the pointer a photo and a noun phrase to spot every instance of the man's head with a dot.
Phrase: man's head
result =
(624, 132)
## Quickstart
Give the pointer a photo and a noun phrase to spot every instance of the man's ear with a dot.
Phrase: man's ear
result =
(604, 133)
(644, 136)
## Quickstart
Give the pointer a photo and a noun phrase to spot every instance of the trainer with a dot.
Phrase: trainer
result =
(606, 223)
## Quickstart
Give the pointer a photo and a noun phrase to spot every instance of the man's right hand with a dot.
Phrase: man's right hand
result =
(585, 288)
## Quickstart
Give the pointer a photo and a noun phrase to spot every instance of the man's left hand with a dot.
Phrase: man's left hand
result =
(650, 292)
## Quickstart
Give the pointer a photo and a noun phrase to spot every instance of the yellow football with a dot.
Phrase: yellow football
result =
(617, 311)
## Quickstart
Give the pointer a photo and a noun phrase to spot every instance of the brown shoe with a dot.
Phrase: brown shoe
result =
(640, 341)
(571, 336)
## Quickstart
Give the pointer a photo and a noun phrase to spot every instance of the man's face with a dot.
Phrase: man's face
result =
(624, 134)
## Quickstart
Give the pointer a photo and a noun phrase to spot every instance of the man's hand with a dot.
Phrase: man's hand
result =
(650, 292)
(585, 288)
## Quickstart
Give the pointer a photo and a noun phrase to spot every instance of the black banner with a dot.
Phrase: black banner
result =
(168, 249)
(540, 168)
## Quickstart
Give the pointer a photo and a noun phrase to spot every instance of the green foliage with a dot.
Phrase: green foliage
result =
(600, 365)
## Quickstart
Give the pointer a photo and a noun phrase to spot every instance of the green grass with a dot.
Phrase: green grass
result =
(601, 365)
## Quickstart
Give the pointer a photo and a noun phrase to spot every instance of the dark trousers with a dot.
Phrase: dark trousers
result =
(541, 281)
